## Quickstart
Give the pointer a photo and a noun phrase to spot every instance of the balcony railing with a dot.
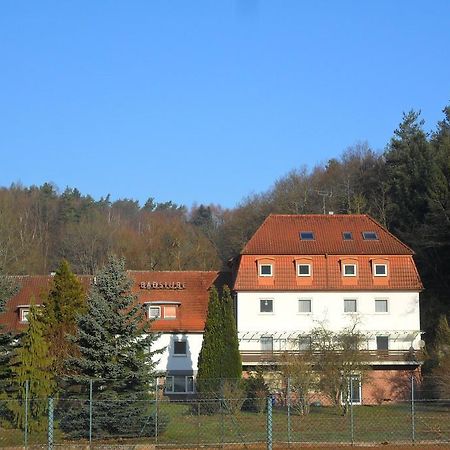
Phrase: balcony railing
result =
(370, 356)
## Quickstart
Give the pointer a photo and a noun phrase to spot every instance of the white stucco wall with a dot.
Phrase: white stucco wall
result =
(170, 362)
(401, 322)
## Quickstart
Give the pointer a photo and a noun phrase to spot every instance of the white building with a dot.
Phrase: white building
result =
(301, 272)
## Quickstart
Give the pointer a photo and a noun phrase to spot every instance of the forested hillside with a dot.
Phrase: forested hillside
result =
(405, 187)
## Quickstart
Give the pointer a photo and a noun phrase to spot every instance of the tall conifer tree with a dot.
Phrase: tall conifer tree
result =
(219, 358)
(64, 302)
(32, 363)
(115, 352)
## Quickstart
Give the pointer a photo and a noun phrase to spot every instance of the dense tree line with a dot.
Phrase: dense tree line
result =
(405, 187)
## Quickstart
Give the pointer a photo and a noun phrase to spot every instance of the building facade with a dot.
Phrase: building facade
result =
(302, 272)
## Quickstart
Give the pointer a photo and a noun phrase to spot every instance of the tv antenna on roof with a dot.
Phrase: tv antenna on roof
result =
(325, 195)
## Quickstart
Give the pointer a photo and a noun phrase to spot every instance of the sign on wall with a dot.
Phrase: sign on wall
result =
(174, 285)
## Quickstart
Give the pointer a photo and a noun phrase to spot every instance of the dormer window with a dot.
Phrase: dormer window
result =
(265, 270)
(304, 270)
(347, 236)
(349, 270)
(24, 313)
(306, 235)
(370, 236)
(154, 312)
(380, 270)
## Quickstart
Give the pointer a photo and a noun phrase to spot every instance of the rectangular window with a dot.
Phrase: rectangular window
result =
(179, 384)
(170, 312)
(266, 343)
(179, 348)
(382, 343)
(304, 343)
(355, 389)
(350, 305)
(347, 236)
(304, 305)
(265, 270)
(370, 236)
(154, 312)
(304, 270)
(380, 270)
(381, 305)
(307, 236)
(266, 306)
(349, 270)
(24, 312)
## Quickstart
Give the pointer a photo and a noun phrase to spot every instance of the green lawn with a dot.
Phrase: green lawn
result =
(187, 426)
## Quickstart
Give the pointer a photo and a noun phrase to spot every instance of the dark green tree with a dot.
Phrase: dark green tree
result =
(61, 306)
(115, 352)
(32, 364)
(219, 357)
(7, 343)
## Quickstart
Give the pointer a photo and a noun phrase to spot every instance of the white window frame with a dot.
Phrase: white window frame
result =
(24, 312)
(180, 355)
(304, 300)
(186, 384)
(150, 307)
(375, 274)
(303, 265)
(359, 380)
(356, 305)
(261, 265)
(381, 300)
(266, 300)
(349, 274)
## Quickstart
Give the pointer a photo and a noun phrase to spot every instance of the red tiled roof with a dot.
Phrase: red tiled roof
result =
(327, 274)
(192, 300)
(280, 235)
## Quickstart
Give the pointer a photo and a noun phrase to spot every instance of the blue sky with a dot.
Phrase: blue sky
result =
(208, 101)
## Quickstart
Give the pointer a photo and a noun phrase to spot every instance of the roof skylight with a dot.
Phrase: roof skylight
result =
(347, 236)
(306, 235)
(370, 236)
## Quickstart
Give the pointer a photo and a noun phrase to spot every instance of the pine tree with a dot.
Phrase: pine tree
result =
(65, 300)
(32, 363)
(219, 358)
(7, 344)
(115, 352)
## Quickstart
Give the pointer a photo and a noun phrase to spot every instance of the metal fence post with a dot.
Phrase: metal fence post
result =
(25, 436)
(413, 423)
(269, 423)
(352, 431)
(50, 424)
(288, 400)
(156, 409)
(222, 418)
(90, 413)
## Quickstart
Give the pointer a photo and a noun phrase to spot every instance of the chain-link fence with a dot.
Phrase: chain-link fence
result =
(238, 413)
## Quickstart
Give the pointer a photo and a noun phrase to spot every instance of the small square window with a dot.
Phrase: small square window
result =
(154, 312)
(265, 270)
(304, 270)
(304, 305)
(370, 236)
(350, 305)
(347, 236)
(307, 236)
(170, 312)
(266, 306)
(382, 343)
(349, 270)
(24, 313)
(381, 305)
(180, 348)
(304, 343)
(380, 270)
